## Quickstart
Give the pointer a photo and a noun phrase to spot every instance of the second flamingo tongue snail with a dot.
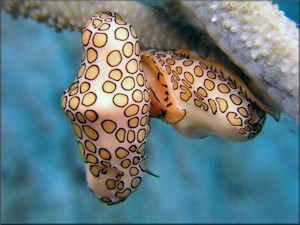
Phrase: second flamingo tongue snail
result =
(118, 88)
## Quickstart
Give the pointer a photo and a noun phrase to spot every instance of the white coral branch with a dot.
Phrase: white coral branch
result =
(258, 38)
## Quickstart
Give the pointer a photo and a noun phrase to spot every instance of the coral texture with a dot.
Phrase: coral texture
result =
(154, 24)
(262, 42)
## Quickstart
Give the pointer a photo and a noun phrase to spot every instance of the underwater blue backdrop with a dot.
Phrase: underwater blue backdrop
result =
(201, 181)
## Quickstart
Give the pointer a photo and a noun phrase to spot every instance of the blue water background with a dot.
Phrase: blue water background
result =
(201, 181)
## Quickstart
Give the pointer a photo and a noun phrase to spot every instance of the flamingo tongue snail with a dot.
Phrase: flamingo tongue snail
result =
(108, 105)
(118, 88)
(199, 97)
